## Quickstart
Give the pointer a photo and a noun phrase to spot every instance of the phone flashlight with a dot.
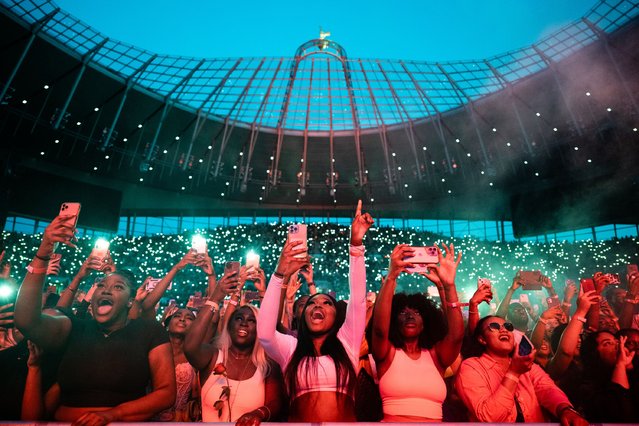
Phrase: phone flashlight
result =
(6, 291)
(198, 243)
(252, 259)
(102, 244)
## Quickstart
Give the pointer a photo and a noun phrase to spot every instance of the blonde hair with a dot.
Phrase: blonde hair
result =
(258, 355)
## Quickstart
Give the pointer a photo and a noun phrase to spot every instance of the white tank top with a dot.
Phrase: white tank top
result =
(246, 395)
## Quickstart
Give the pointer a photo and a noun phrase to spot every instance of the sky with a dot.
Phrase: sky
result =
(429, 30)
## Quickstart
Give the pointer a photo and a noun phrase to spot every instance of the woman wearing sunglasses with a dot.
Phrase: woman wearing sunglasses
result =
(501, 385)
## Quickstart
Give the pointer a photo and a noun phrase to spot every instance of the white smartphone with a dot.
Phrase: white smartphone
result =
(153, 282)
(198, 243)
(297, 232)
(421, 258)
(100, 248)
(252, 260)
(483, 281)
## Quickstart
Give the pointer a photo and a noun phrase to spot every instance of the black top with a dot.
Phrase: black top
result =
(99, 371)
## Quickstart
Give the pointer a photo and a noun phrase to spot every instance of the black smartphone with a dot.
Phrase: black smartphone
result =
(525, 346)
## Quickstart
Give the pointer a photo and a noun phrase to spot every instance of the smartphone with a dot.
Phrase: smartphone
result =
(251, 295)
(525, 346)
(483, 281)
(587, 284)
(552, 302)
(252, 260)
(530, 280)
(421, 258)
(198, 244)
(297, 232)
(152, 283)
(632, 270)
(612, 279)
(70, 209)
(100, 248)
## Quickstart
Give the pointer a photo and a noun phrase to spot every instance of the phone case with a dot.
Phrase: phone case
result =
(587, 284)
(525, 347)
(531, 280)
(253, 261)
(71, 209)
(297, 232)
(230, 267)
(421, 258)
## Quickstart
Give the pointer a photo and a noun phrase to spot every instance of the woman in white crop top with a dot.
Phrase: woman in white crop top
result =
(320, 364)
(237, 360)
(412, 341)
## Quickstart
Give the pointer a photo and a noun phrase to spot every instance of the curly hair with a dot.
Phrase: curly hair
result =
(435, 325)
(305, 359)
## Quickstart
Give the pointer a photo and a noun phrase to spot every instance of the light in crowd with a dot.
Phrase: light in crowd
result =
(576, 148)
(24, 101)
(494, 129)
(42, 153)
(177, 138)
(587, 93)
(554, 129)
(46, 87)
(609, 109)
(468, 154)
(457, 140)
(589, 160)
(393, 154)
(423, 148)
(491, 184)
(190, 177)
(525, 161)
(124, 140)
(141, 179)
(96, 109)
(183, 188)
(538, 114)
(102, 244)
(209, 147)
(95, 168)
(140, 126)
(57, 141)
(5, 291)
(200, 160)
(79, 123)
(106, 157)
(165, 151)
(507, 143)
(222, 194)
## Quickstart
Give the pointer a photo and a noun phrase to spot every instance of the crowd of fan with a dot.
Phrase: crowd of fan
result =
(342, 333)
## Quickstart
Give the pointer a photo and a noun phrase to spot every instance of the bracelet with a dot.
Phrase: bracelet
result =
(456, 304)
(268, 412)
(33, 270)
(46, 259)
(278, 275)
(512, 377)
(72, 290)
(214, 306)
(580, 318)
(233, 302)
(310, 284)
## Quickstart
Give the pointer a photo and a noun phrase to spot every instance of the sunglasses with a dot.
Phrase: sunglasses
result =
(496, 326)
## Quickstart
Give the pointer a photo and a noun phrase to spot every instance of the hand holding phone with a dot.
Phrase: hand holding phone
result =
(525, 346)
(421, 258)
(298, 232)
(198, 244)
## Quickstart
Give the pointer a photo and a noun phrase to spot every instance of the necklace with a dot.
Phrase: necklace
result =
(238, 356)
(239, 382)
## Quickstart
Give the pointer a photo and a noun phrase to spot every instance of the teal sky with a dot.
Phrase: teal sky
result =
(400, 29)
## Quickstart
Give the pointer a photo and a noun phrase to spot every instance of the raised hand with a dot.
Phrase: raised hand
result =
(484, 293)
(294, 285)
(142, 291)
(53, 268)
(521, 364)
(204, 262)
(6, 315)
(570, 291)
(397, 265)
(444, 273)
(35, 355)
(516, 281)
(190, 258)
(307, 273)
(361, 224)
(226, 285)
(58, 231)
(91, 263)
(585, 301)
(624, 356)
(259, 279)
(289, 263)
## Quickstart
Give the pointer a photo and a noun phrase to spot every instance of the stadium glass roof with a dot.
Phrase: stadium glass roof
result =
(320, 89)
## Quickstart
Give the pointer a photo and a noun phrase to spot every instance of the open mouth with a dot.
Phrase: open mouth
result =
(504, 338)
(317, 315)
(242, 333)
(104, 306)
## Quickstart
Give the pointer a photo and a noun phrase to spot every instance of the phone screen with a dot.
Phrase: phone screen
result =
(525, 347)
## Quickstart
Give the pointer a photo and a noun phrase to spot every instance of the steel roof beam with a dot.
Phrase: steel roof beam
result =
(85, 61)
(555, 75)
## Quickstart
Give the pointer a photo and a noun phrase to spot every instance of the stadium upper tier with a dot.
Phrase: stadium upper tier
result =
(320, 89)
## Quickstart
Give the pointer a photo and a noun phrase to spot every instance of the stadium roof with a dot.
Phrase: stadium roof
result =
(320, 89)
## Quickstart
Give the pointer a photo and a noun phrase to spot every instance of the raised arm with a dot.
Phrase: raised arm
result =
(484, 293)
(197, 347)
(277, 345)
(92, 263)
(502, 310)
(154, 297)
(443, 275)
(381, 347)
(44, 330)
(567, 348)
(630, 301)
(352, 331)
(539, 331)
